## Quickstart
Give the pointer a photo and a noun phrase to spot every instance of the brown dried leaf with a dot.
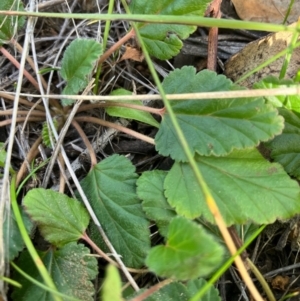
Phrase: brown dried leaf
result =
(280, 282)
(258, 52)
(271, 11)
(133, 54)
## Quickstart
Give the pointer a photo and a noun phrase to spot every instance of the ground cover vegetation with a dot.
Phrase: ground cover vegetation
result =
(134, 179)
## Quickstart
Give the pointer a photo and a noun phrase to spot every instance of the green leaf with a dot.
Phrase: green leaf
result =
(112, 286)
(60, 219)
(12, 235)
(150, 188)
(291, 102)
(245, 186)
(77, 63)
(189, 252)
(213, 127)
(164, 40)
(131, 113)
(111, 189)
(285, 148)
(72, 268)
(9, 25)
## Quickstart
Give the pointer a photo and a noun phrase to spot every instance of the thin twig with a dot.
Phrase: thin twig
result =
(117, 45)
(152, 290)
(17, 64)
(115, 126)
(86, 142)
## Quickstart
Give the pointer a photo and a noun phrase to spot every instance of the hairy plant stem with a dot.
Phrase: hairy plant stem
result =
(115, 126)
(86, 142)
(120, 104)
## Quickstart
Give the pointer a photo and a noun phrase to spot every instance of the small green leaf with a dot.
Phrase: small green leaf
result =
(150, 188)
(112, 286)
(60, 219)
(291, 102)
(189, 252)
(285, 148)
(72, 268)
(245, 186)
(9, 25)
(12, 235)
(77, 63)
(213, 127)
(164, 40)
(111, 189)
(131, 113)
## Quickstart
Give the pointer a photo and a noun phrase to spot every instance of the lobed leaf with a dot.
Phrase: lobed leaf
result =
(164, 40)
(189, 252)
(150, 188)
(213, 127)
(111, 189)
(131, 113)
(9, 25)
(245, 186)
(60, 219)
(77, 63)
(72, 268)
(285, 148)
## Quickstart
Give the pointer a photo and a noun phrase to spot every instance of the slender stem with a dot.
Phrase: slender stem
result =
(21, 100)
(120, 104)
(261, 280)
(33, 113)
(17, 64)
(158, 19)
(20, 119)
(86, 142)
(30, 247)
(115, 126)
(152, 290)
(117, 45)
